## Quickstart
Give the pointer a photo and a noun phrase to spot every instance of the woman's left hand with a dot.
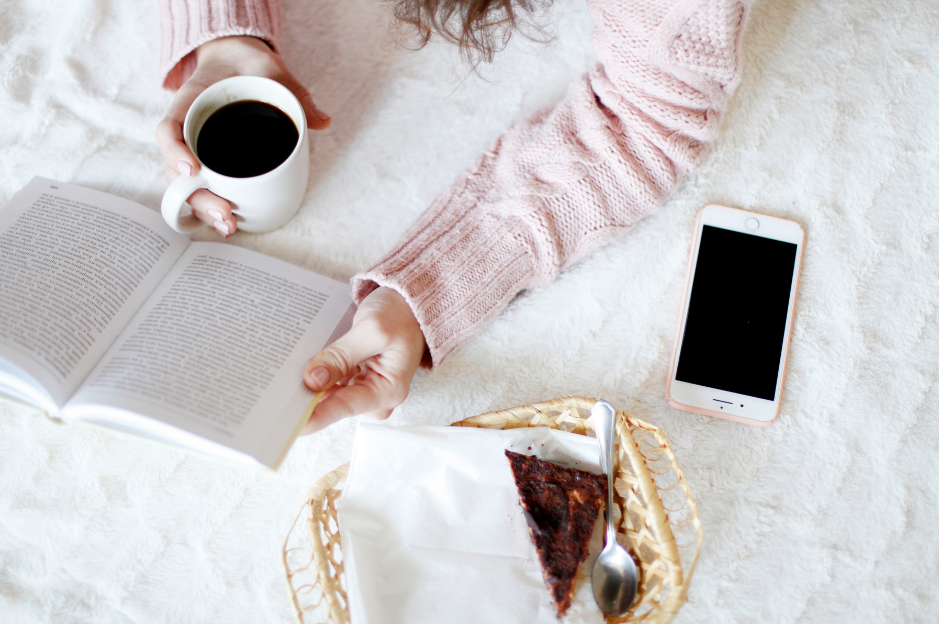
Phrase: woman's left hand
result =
(216, 60)
(369, 369)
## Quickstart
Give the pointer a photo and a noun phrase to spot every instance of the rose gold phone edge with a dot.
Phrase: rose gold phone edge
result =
(681, 318)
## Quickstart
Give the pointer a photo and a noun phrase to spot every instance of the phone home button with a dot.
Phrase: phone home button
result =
(752, 224)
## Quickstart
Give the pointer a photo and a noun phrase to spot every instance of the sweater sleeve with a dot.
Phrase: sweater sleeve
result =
(569, 179)
(187, 24)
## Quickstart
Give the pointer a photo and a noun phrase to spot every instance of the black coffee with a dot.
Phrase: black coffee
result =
(245, 139)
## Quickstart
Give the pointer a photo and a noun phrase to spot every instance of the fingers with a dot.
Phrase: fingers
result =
(209, 208)
(341, 359)
(176, 155)
(214, 210)
(169, 132)
(179, 159)
(370, 394)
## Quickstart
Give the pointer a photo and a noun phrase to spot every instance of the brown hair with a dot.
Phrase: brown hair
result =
(480, 28)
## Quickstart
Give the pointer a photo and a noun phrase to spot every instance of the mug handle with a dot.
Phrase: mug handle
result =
(176, 195)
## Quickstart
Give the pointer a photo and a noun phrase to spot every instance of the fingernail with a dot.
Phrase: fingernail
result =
(222, 228)
(184, 168)
(321, 114)
(216, 214)
(320, 376)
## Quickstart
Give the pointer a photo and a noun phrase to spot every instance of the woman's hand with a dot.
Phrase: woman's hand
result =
(368, 370)
(216, 60)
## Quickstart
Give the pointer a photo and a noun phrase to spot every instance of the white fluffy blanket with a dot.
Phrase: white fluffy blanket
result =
(829, 515)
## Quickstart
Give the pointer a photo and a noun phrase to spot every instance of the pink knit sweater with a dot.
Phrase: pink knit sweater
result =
(551, 188)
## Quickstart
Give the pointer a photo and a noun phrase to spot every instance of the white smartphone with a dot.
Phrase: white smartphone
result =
(729, 357)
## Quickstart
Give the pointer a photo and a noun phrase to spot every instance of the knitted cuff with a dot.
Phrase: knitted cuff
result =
(457, 269)
(187, 24)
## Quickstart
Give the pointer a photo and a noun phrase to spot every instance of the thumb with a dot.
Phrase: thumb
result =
(316, 118)
(339, 360)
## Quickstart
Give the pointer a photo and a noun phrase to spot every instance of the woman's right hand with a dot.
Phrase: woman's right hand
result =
(217, 60)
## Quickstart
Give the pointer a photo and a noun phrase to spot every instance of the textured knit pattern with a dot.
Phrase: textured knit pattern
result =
(562, 183)
(185, 25)
(569, 179)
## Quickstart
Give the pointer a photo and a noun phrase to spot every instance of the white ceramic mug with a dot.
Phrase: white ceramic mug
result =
(260, 203)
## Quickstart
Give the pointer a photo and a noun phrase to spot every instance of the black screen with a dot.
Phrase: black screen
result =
(737, 313)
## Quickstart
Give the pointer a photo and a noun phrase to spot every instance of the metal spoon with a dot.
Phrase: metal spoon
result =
(614, 575)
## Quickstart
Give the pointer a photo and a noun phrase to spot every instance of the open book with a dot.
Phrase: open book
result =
(110, 317)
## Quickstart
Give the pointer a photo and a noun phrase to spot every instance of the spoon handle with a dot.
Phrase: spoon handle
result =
(604, 421)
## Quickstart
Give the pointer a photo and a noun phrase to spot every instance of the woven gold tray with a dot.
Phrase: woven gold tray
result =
(654, 512)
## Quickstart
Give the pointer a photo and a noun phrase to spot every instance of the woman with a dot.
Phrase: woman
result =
(551, 189)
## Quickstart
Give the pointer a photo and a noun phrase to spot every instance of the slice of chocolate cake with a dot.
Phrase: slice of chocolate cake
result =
(562, 505)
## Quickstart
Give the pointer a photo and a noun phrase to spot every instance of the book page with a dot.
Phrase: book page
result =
(75, 265)
(218, 350)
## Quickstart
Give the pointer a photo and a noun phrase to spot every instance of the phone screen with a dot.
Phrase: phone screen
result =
(736, 320)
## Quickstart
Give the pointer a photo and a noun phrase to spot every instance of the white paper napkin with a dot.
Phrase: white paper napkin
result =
(432, 529)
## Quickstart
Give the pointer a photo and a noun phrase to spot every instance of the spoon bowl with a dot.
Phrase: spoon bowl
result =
(614, 580)
(614, 575)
